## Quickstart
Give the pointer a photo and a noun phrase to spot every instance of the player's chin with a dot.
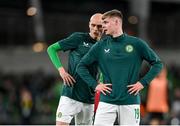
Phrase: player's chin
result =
(96, 34)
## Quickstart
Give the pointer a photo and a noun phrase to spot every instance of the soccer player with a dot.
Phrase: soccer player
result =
(77, 98)
(119, 57)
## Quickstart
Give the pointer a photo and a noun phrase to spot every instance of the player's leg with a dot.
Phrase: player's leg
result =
(129, 114)
(67, 109)
(106, 114)
(85, 117)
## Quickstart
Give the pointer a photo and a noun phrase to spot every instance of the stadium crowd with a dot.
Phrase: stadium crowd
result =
(32, 98)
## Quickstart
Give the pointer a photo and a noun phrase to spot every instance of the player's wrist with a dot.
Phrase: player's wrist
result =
(61, 69)
(97, 86)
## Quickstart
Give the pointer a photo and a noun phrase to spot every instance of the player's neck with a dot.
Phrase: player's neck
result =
(94, 37)
(91, 35)
(118, 33)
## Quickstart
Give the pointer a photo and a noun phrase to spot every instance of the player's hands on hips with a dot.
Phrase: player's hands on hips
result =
(103, 88)
(67, 78)
(135, 88)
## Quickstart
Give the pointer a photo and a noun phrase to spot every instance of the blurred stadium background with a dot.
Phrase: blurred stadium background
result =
(29, 84)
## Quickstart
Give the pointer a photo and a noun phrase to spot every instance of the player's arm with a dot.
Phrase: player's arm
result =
(156, 66)
(82, 70)
(53, 54)
(152, 58)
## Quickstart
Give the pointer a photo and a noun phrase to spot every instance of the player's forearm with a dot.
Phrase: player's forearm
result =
(86, 76)
(53, 54)
(82, 69)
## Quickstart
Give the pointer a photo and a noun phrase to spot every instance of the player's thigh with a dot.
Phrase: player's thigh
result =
(129, 114)
(105, 114)
(85, 117)
(67, 108)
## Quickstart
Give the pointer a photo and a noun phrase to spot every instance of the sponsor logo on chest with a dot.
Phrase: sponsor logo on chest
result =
(107, 50)
(86, 44)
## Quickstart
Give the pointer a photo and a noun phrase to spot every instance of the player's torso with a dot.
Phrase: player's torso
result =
(119, 52)
(85, 44)
(75, 55)
(80, 91)
(120, 62)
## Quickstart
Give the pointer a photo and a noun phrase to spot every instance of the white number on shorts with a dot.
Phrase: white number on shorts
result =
(136, 114)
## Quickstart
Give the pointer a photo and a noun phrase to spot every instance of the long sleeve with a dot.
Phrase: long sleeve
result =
(82, 69)
(151, 57)
(53, 54)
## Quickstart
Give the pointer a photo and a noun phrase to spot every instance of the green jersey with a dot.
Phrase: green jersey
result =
(78, 44)
(120, 61)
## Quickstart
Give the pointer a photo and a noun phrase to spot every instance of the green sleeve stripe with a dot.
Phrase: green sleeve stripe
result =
(53, 54)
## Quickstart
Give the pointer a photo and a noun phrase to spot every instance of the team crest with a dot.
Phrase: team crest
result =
(59, 115)
(129, 48)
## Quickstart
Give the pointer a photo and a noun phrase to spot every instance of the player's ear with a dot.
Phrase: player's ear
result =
(116, 21)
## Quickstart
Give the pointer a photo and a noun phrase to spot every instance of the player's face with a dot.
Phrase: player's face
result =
(109, 26)
(95, 26)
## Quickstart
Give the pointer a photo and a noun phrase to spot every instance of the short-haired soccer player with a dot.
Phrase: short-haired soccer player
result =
(119, 57)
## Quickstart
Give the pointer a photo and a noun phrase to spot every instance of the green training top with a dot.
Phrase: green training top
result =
(120, 61)
(78, 44)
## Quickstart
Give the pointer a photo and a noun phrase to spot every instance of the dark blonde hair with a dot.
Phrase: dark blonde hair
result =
(113, 13)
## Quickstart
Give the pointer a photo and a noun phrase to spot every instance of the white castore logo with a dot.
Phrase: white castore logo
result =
(85, 44)
(129, 48)
(107, 50)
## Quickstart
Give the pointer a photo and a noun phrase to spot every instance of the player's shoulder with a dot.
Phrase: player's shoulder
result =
(135, 40)
(76, 37)
(79, 34)
(132, 38)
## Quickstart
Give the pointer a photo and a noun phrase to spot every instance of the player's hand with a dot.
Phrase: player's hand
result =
(67, 78)
(103, 88)
(135, 88)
